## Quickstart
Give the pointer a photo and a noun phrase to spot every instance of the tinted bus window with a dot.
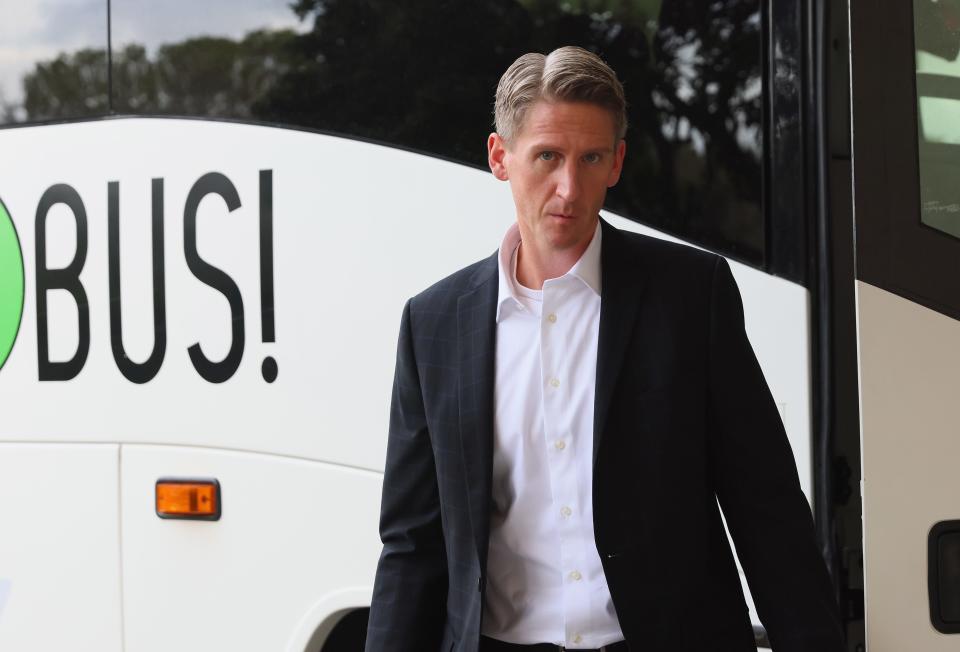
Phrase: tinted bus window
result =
(420, 74)
(53, 60)
(217, 58)
(937, 38)
(905, 155)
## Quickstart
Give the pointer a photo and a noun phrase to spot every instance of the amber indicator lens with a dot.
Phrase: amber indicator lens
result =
(188, 499)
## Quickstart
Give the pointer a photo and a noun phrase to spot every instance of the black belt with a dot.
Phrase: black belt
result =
(493, 645)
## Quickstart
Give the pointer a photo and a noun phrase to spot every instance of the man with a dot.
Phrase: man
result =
(566, 415)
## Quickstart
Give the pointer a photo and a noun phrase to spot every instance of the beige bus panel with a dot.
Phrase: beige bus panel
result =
(909, 389)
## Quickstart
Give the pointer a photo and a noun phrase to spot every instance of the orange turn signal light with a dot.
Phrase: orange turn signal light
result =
(185, 498)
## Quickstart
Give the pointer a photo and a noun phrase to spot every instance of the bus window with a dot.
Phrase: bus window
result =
(420, 75)
(216, 59)
(907, 231)
(937, 36)
(53, 61)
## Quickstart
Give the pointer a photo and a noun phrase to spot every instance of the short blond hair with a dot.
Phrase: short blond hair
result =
(568, 74)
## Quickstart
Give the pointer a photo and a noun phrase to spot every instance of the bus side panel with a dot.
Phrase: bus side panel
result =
(59, 548)
(292, 533)
(356, 229)
(909, 356)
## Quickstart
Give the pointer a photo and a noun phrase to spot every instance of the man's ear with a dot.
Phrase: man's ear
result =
(496, 152)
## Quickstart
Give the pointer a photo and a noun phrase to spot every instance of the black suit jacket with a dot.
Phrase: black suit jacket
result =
(683, 419)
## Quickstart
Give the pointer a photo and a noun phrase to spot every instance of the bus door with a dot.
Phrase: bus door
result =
(905, 84)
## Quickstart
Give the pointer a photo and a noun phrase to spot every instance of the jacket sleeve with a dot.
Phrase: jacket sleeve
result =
(757, 486)
(407, 611)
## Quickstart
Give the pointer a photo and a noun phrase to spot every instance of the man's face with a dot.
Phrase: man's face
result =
(559, 165)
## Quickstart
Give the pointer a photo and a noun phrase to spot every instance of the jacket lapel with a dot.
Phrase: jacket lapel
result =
(476, 333)
(621, 287)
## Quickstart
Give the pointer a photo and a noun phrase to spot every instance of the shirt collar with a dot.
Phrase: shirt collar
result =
(587, 268)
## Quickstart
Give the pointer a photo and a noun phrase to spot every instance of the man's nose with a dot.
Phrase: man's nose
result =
(568, 182)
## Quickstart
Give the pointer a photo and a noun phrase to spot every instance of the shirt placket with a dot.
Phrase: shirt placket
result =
(562, 451)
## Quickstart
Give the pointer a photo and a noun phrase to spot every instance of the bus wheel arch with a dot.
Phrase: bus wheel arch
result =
(338, 616)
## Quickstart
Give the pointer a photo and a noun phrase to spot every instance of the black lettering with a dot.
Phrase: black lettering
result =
(269, 366)
(138, 372)
(266, 256)
(66, 278)
(213, 183)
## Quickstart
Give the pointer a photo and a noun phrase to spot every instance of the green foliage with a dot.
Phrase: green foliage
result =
(71, 84)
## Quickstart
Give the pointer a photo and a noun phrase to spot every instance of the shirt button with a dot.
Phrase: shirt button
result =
(552, 318)
(576, 576)
(560, 444)
(555, 382)
(578, 639)
(566, 511)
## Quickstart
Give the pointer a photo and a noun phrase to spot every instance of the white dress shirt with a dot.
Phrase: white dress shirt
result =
(545, 582)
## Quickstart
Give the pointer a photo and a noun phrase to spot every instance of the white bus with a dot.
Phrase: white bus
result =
(212, 213)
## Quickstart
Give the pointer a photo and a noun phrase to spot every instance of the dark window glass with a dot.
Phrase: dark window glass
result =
(216, 58)
(937, 39)
(53, 60)
(421, 74)
(905, 86)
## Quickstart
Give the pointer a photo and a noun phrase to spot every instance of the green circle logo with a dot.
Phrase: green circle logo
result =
(11, 284)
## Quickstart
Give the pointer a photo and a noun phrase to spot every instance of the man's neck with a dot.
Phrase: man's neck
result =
(535, 266)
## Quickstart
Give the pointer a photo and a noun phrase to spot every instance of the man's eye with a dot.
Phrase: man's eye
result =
(592, 158)
(547, 156)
